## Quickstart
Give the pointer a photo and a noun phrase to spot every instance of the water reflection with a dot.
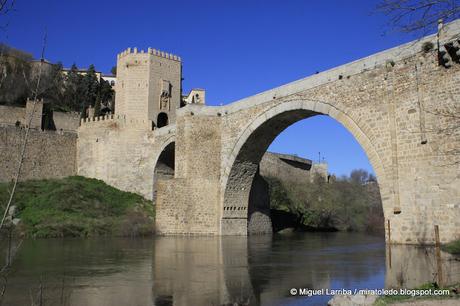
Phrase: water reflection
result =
(329, 260)
(408, 267)
(210, 270)
(201, 271)
(81, 272)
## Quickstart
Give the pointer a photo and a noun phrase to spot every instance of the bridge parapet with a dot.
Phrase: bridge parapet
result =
(450, 36)
(390, 102)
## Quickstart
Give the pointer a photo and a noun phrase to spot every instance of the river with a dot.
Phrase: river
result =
(258, 270)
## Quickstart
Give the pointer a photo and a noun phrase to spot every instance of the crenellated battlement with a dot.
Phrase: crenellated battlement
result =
(120, 120)
(148, 85)
(150, 51)
(99, 118)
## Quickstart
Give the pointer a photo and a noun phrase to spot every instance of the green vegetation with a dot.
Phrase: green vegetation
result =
(78, 207)
(452, 247)
(347, 204)
(391, 299)
(73, 91)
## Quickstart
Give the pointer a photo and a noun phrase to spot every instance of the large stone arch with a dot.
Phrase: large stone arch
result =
(392, 102)
(241, 165)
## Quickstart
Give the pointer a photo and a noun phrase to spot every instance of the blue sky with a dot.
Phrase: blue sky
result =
(233, 49)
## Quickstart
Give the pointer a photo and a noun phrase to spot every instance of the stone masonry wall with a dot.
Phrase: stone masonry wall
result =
(274, 165)
(12, 115)
(121, 152)
(182, 210)
(9, 115)
(387, 105)
(66, 121)
(259, 218)
(189, 203)
(392, 102)
(48, 154)
(141, 76)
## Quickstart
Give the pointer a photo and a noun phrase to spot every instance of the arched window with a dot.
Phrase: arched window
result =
(162, 120)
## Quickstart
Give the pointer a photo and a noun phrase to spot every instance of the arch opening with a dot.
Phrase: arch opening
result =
(164, 167)
(241, 200)
(162, 120)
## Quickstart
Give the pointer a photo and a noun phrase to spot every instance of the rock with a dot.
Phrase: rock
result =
(12, 210)
(352, 300)
(288, 230)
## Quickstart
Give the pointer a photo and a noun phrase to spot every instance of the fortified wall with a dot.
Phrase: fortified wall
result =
(48, 154)
(122, 152)
(124, 149)
(291, 168)
(20, 116)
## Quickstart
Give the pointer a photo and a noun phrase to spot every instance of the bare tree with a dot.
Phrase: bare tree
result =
(6, 6)
(4, 219)
(26, 138)
(418, 16)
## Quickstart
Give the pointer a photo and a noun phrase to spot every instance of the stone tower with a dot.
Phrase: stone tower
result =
(148, 86)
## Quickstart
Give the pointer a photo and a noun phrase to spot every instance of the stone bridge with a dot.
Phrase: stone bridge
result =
(401, 105)
(392, 102)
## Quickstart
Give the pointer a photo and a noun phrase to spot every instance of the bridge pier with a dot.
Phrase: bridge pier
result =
(394, 103)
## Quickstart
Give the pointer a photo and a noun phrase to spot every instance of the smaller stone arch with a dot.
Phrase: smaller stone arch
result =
(164, 164)
(162, 120)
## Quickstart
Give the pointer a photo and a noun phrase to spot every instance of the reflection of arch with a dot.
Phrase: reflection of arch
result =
(162, 120)
(241, 166)
(227, 281)
(164, 167)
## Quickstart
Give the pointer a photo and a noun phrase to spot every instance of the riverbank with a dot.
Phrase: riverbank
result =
(424, 295)
(453, 298)
(77, 207)
(452, 247)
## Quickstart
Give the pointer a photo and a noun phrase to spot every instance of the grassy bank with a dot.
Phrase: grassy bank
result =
(452, 247)
(78, 207)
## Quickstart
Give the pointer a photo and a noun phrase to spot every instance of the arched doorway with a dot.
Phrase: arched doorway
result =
(164, 168)
(162, 120)
(253, 142)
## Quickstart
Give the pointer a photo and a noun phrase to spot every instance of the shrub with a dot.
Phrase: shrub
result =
(427, 46)
(348, 203)
(452, 247)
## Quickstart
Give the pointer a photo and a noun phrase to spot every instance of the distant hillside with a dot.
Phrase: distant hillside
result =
(346, 204)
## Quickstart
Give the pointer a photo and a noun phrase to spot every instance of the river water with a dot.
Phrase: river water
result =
(213, 271)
